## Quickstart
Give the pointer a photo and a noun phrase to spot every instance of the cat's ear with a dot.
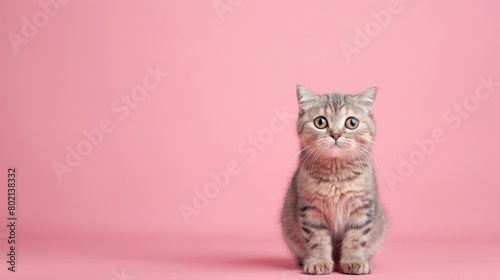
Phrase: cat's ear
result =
(366, 99)
(304, 95)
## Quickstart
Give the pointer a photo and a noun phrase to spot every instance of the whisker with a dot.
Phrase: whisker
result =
(308, 155)
(318, 155)
(303, 160)
(293, 157)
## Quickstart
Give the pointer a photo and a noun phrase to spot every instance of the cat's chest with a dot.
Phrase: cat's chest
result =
(340, 198)
(337, 202)
(340, 208)
(338, 193)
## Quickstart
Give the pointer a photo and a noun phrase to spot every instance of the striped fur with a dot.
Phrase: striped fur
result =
(332, 210)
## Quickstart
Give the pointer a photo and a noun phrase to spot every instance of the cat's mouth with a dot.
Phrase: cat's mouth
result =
(337, 145)
(339, 149)
(336, 152)
(336, 149)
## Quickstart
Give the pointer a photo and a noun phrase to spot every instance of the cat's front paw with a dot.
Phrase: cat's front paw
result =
(355, 267)
(318, 266)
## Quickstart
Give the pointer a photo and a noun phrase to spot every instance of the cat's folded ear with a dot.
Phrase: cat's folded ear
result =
(305, 95)
(366, 99)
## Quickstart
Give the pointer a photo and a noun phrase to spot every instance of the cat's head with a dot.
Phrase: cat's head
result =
(336, 125)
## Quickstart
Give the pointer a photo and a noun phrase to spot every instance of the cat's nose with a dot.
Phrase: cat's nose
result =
(335, 136)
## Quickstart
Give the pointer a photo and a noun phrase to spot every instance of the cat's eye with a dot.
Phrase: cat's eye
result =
(320, 122)
(351, 123)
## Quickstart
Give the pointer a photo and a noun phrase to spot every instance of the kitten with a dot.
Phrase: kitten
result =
(332, 210)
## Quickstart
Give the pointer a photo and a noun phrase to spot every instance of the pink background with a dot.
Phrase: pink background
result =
(227, 75)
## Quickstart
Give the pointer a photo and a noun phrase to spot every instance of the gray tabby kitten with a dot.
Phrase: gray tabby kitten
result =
(332, 210)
